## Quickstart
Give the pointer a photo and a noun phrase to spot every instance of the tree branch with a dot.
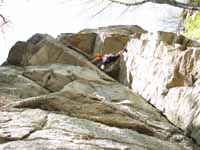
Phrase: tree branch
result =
(4, 19)
(3, 23)
(102, 9)
(177, 4)
(140, 2)
(169, 2)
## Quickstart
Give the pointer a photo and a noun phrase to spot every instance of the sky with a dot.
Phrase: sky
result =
(53, 17)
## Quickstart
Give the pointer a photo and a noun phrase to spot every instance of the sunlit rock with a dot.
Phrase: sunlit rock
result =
(84, 42)
(44, 49)
(166, 76)
(84, 109)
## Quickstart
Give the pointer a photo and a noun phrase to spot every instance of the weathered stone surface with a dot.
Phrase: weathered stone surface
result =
(56, 131)
(44, 49)
(83, 41)
(18, 54)
(14, 84)
(21, 52)
(113, 38)
(52, 51)
(114, 43)
(104, 39)
(118, 29)
(54, 77)
(18, 125)
(36, 38)
(87, 110)
(167, 76)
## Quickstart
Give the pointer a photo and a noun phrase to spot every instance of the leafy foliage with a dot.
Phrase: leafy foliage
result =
(193, 26)
(196, 2)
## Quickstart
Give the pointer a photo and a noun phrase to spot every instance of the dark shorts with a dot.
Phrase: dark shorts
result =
(110, 59)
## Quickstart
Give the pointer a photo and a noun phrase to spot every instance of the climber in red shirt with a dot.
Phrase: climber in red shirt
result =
(107, 58)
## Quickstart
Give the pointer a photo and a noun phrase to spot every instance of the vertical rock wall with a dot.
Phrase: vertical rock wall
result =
(165, 71)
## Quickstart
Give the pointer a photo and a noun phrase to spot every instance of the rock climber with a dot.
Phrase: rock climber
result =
(102, 60)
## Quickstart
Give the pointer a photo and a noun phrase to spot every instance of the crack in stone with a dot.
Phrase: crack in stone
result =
(89, 137)
(42, 125)
(37, 83)
(44, 122)
(7, 139)
(45, 79)
(27, 135)
(106, 148)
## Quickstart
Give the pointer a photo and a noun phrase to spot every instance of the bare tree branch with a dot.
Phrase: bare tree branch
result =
(4, 19)
(100, 11)
(130, 3)
(3, 23)
(169, 2)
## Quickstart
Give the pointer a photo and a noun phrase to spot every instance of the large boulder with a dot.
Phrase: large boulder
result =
(21, 52)
(167, 76)
(44, 49)
(84, 110)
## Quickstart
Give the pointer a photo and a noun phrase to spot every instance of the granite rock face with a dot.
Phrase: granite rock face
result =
(164, 69)
(84, 42)
(86, 110)
(44, 49)
(50, 104)
(103, 40)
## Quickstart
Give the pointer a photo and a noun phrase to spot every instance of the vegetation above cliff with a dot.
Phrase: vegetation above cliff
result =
(193, 26)
(192, 22)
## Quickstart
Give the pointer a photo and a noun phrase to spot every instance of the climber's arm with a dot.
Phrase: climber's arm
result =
(121, 52)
